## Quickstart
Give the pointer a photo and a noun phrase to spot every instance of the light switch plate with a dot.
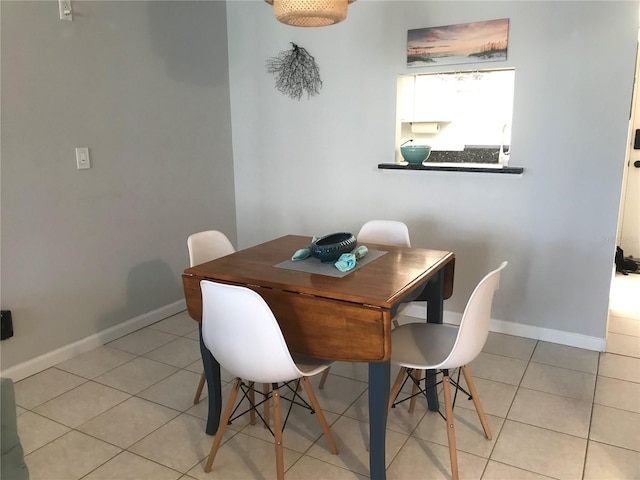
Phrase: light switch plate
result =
(82, 158)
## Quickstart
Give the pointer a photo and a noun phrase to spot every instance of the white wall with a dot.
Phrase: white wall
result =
(310, 166)
(144, 85)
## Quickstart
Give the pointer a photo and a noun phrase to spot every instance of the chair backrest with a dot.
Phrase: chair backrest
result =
(386, 232)
(208, 245)
(474, 327)
(240, 330)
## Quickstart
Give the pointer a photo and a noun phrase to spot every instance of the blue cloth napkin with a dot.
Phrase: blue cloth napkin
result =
(346, 262)
(303, 252)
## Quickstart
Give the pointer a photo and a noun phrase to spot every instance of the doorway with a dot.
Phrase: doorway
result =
(623, 327)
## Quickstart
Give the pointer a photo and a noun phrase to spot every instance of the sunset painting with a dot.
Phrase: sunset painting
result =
(455, 44)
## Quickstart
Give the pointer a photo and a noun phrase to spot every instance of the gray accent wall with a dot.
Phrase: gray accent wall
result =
(310, 166)
(145, 86)
(186, 132)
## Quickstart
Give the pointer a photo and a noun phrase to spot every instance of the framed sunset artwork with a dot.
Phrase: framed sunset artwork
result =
(456, 44)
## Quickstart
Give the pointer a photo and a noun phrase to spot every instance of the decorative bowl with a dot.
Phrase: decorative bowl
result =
(329, 248)
(415, 153)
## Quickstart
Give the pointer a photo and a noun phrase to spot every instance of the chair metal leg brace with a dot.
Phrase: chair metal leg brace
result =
(248, 393)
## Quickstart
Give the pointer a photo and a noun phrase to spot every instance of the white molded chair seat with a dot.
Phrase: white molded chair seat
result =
(429, 346)
(204, 247)
(240, 330)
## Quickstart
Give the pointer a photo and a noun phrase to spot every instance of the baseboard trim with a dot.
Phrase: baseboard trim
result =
(570, 339)
(38, 364)
(418, 310)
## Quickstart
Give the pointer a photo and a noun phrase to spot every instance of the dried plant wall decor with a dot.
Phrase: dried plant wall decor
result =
(295, 71)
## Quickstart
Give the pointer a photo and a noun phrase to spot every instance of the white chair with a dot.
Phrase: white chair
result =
(421, 346)
(240, 330)
(384, 232)
(204, 247)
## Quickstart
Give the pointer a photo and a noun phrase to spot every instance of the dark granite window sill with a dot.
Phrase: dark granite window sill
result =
(450, 168)
(474, 158)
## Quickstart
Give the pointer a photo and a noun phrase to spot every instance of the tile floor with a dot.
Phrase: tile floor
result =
(125, 411)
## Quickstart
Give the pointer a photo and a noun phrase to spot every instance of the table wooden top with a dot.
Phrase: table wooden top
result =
(381, 283)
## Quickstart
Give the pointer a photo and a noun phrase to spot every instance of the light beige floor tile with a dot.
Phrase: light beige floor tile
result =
(560, 381)
(180, 324)
(620, 367)
(615, 427)
(195, 335)
(546, 410)
(20, 410)
(624, 325)
(352, 370)
(539, 450)
(69, 457)
(43, 386)
(338, 394)
(623, 345)
(623, 298)
(195, 367)
(96, 362)
(179, 353)
(136, 375)
(500, 471)
(244, 457)
(399, 418)
(608, 462)
(469, 434)
(175, 391)
(142, 341)
(180, 444)
(498, 368)
(128, 466)
(35, 431)
(496, 397)
(352, 438)
(128, 422)
(76, 406)
(509, 346)
(421, 459)
(308, 467)
(566, 357)
(618, 394)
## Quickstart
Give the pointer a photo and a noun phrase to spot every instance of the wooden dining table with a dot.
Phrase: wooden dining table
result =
(345, 318)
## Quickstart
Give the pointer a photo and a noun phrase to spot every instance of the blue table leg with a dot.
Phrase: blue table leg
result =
(435, 309)
(379, 386)
(214, 388)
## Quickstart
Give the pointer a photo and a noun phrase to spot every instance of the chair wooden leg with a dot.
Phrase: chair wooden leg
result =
(277, 433)
(451, 434)
(414, 391)
(396, 387)
(252, 402)
(476, 401)
(267, 403)
(223, 425)
(319, 415)
(201, 383)
(323, 379)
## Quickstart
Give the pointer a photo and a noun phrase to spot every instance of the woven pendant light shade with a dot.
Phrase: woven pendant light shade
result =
(310, 13)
